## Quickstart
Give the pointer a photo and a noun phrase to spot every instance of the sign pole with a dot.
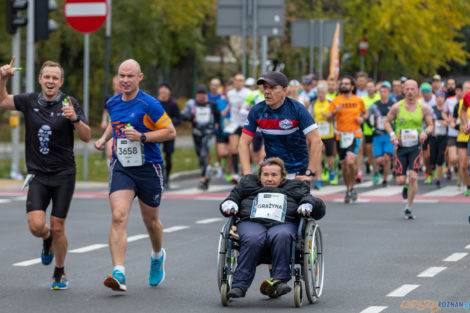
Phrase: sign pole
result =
(108, 51)
(86, 95)
(14, 118)
(264, 54)
(320, 53)
(244, 31)
(310, 44)
(254, 52)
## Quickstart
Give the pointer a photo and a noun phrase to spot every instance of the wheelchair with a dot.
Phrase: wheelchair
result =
(306, 262)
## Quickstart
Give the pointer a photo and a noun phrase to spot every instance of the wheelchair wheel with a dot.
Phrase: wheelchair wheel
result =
(298, 294)
(221, 252)
(223, 294)
(313, 262)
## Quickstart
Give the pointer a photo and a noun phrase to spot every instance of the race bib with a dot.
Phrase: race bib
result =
(271, 206)
(346, 140)
(381, 122)
(439, 129)
(409, 137)
(230, 127)
(324, 129)
(130, 153)
(203, 115)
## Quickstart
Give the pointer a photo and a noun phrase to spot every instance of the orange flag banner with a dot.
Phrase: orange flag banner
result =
(334, 54)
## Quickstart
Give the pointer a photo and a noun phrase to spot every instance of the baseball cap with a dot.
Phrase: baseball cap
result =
(250, 81)
(441, 93)
(403, 79)
(425, 87)
(307, 79)
(437, 77)
(386, 84)
(201, 89)
(294, 82)
(273, 79)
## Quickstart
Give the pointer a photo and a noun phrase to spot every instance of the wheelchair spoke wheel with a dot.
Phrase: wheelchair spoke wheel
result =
(223, 294)
(221, 252)
(298, 294)
(313, 262)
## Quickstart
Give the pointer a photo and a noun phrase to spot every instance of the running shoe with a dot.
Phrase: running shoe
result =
(236, 293)
(324, 175)
(449, 173)
(384, 183)
(116, 281)
(334, 181)
(282, 288)
(318, 185)
(438, 183)
(353, 194)
(157, 270)
(235, 178)
(467, 193)
(428, 180)
(61, 283)
(404, 192)
(46, 258)
(228, 178)
(267, 288)
(408, 215)
(332, 176)
(348, 197)
(220, 172)
(359, 178)
(376, 178)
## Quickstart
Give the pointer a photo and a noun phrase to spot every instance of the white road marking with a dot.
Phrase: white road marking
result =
(467, 247)
(328, 190)
(449, 191)
(174, 228)
(5, 200)
(137, 237)
(210, 220)
(455, 257)
(424, 201)
(28, 262)
(89, 248)
(210, 198)
(432, 271)
(374, 309)
(358, 200)
(389, 191)
(402, 290)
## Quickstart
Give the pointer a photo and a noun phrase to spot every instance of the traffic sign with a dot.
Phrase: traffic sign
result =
(85, 16)
(363, 46)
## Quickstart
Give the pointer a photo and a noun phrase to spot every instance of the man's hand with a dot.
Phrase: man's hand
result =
(7, 71)
(132, 134)
(304, 178)
(393, 139)
(69, 111)
(100, 144)
(423, 136)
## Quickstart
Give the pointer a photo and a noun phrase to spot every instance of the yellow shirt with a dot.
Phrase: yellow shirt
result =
(462, 137)
(325, 128)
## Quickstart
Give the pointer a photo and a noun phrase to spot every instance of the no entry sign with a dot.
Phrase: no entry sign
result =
(85, 16)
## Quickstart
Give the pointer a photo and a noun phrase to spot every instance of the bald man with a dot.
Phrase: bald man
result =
(138, 124)
(408, 115)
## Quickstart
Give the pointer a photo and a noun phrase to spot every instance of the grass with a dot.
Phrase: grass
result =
(184, 159)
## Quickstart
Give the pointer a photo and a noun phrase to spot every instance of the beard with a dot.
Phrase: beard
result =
(344, 90)
(450, 92)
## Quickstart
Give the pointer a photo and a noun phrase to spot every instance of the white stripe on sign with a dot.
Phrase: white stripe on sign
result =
(28, 262)
(174, 228)
(455, 257)
(89, 248)
(432, 271)
(137, 237)
(402, 290)
(85, 9)
(210, 220)
(374, 309)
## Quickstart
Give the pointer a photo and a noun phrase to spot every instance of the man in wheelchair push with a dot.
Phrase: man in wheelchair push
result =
(268, 208)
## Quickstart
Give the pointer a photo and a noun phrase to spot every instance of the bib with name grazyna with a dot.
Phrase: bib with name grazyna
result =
(270, 206)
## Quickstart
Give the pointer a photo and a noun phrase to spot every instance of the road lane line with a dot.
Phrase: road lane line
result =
(467, 247)
(210, 220)
(5, 200)
(137, 237)
(432, 271)
(28, 262)
(211, 198)
(174, 228)
(455, 257)
(89, 248)
(402, 290)
(374, 309)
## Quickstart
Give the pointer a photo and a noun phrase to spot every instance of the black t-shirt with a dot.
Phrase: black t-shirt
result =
(49, 135)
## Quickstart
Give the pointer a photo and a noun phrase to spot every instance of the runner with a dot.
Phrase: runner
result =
(349, 112)
(50, 120)
(438, 139)
(361, 82)
(452, 133)
(236, 98)
(332, 88)
(138, 124)
(171, 108)
(428, 98)
(205, 117)
(382, 147)
(288, 129)
(408, 115)
(308, 92)
(326, 131)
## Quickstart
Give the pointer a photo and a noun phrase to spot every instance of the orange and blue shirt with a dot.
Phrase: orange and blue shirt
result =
(145, 114)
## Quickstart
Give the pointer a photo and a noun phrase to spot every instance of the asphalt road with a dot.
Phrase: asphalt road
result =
(373, 257)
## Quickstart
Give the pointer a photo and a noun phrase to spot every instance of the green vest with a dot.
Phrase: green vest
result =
(368, 101)
(409, 120)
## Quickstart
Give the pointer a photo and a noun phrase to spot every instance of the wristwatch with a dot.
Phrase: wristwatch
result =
(309, 172)
(143, 138)
(77, 120)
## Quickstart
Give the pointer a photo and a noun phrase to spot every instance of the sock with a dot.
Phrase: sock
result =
(157, 255)
(58, 272)
(120, 268)
(46, 243)
(235, 163)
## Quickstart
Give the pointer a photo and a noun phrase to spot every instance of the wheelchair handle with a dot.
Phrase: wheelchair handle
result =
(301, 224)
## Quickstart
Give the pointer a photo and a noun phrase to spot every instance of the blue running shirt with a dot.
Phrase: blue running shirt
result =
(145, 114)
(284, 132)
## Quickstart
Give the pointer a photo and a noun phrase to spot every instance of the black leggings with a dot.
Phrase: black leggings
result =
(58, 188)
(437, 148)
(202, 146)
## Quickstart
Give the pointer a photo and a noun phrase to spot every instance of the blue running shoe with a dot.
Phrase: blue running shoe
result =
(157, 270)
(60, 284)
(331, 175)
(318, 185)
(46, 259)
(116, 281)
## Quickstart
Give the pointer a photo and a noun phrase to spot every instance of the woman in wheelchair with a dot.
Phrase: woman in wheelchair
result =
(268, 207)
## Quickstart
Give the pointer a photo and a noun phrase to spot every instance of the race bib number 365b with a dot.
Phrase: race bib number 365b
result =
(130, 153)
(270, 206)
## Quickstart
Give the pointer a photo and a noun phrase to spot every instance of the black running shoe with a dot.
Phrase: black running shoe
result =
(353, 194)
(282, 288)
(236, 293)
(404, 192)
(408, 215)
(348, 197)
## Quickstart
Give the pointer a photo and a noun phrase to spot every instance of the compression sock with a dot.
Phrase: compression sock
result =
(235, 163)
(46, 244)
(58, 272)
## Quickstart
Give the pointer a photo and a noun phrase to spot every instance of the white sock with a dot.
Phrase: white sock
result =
(120, 268)
(157, 255)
